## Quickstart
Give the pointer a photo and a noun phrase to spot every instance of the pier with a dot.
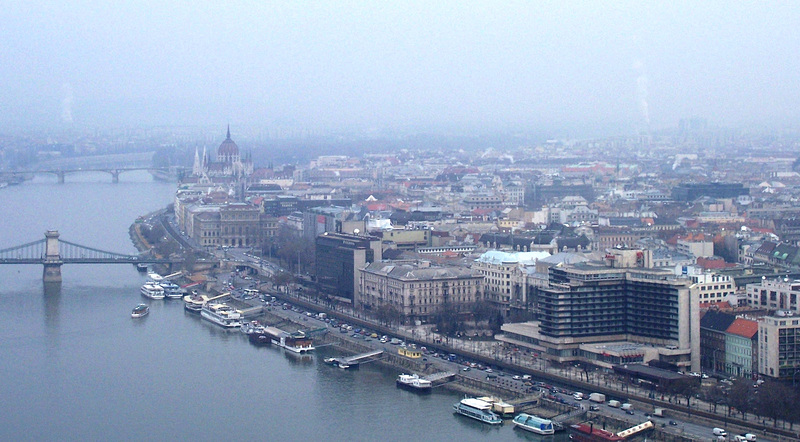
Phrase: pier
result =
(441, 377)
(358, 359)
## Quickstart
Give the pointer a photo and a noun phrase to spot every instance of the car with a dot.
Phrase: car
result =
(629, 412)
(517, 377)
(465, 369)
(593, 408)
(673, 423)
(489, 370)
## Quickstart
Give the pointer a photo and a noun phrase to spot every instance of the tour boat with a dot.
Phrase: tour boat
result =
(140, 310)
(152, 290)
(588, 433)
(221, 314)
(414, 383)
(478, 410)
(297, 342)
(193, 303)
(172, 290)
(534, 424)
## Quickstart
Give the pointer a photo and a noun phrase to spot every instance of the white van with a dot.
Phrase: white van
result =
(719, 432)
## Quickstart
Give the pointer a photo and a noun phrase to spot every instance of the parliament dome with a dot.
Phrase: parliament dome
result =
(228, 148)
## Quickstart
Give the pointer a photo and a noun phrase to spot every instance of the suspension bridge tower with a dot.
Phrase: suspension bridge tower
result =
(52, 259)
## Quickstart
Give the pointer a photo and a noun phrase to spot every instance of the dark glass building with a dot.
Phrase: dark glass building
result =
(339, 260)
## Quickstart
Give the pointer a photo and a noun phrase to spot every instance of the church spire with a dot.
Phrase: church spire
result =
(197, 169)
(229, 131)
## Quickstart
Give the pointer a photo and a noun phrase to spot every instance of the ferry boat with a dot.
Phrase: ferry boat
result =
(534, 424)
(140, 310)
(478, 410)
(414, 383)
(297, 342)
(588, 433)
(152, 290)
(503, 409)
(255, 333)
(193, 303)
(172, 290)
(221, 314)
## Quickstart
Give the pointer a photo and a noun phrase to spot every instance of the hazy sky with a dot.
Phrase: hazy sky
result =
(398, 64)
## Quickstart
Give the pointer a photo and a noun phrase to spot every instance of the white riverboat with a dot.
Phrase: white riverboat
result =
(478, 410)
(534, 424)
(414, 383)
(152, 290)
(297, 342)
(221, 314)
(194, 303)
(172, 290)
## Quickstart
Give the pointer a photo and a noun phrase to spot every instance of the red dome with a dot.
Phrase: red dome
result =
(228, 147)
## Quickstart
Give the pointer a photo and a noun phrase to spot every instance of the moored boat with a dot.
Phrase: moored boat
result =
(588, 433)
(478, 410)
(193, 303)
(414, 383)
(297, 342)
(504, 409)
(172, 290)
(534, 424)
(140, 310)
(152, 290)
(221, 314)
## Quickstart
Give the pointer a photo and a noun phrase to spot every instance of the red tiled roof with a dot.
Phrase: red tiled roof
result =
(719, 305)
(709, 263)
(743, 327)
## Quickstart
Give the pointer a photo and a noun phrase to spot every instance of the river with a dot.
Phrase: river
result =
(76, 366)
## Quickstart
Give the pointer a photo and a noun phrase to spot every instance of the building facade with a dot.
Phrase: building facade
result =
(590, 303)
(417, 289)
(779, 348)
(339, 260)
(775, 294)
(505, 277)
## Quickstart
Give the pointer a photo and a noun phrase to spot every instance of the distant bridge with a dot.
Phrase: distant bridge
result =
(52, 254)
(114, 171)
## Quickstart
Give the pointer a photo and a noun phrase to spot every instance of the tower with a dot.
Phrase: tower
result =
(197, 168)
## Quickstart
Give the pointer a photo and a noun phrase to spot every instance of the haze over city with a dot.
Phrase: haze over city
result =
(575, 68)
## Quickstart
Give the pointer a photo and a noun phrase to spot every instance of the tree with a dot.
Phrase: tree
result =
(388, 314)
(282, 279)
(740, 397)
(481, 311)
(496, 321)
(776, 401)
(447, 320)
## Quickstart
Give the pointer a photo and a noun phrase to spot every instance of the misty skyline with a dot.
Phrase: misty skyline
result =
(341, 65)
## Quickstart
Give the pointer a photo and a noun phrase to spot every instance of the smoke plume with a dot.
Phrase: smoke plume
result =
(641, 90)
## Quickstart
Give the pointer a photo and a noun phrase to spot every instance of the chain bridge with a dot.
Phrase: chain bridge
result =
(52, 253)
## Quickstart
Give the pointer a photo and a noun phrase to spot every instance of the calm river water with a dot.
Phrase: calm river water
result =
(75, 366)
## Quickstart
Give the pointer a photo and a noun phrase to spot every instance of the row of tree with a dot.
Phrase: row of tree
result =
(770, 400)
